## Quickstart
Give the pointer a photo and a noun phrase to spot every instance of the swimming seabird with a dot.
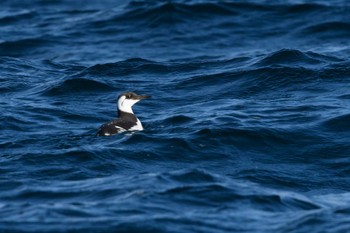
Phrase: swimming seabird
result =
(126, 121)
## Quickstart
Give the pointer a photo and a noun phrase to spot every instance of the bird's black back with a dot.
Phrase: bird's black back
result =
(124, 122)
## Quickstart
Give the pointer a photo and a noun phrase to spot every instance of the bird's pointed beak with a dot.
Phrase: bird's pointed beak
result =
(141, 97)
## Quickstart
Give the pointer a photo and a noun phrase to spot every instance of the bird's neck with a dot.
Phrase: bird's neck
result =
(123, 108)
(126, 115)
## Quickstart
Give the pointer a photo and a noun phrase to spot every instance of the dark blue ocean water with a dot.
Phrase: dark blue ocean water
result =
(247, 130)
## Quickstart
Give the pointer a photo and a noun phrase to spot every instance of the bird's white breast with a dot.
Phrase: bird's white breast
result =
(137, 127)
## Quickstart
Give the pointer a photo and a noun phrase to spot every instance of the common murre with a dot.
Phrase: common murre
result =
(126, 121)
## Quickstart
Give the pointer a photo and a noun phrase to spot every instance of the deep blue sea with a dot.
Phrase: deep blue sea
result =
(247, 130)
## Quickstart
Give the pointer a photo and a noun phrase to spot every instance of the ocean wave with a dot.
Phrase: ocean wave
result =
(239, 194)
(62, 67)
(126, 67)
(250, 81)
(167, 13)
(283, 69)
(20, 46)
(177, 119)
(336, 28)
(77, 85)
(161, 13)
(195, 176)
(135, 66)
(340, 123)
(289, 57)
(13, 17)
(303, 8)
(243, 138)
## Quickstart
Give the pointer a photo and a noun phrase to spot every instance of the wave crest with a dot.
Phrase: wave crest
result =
(72, 86)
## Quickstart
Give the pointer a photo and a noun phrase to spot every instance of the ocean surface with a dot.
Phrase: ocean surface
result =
(247, 130)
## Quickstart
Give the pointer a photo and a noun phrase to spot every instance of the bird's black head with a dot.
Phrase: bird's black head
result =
(128, 99)
(133, 96)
